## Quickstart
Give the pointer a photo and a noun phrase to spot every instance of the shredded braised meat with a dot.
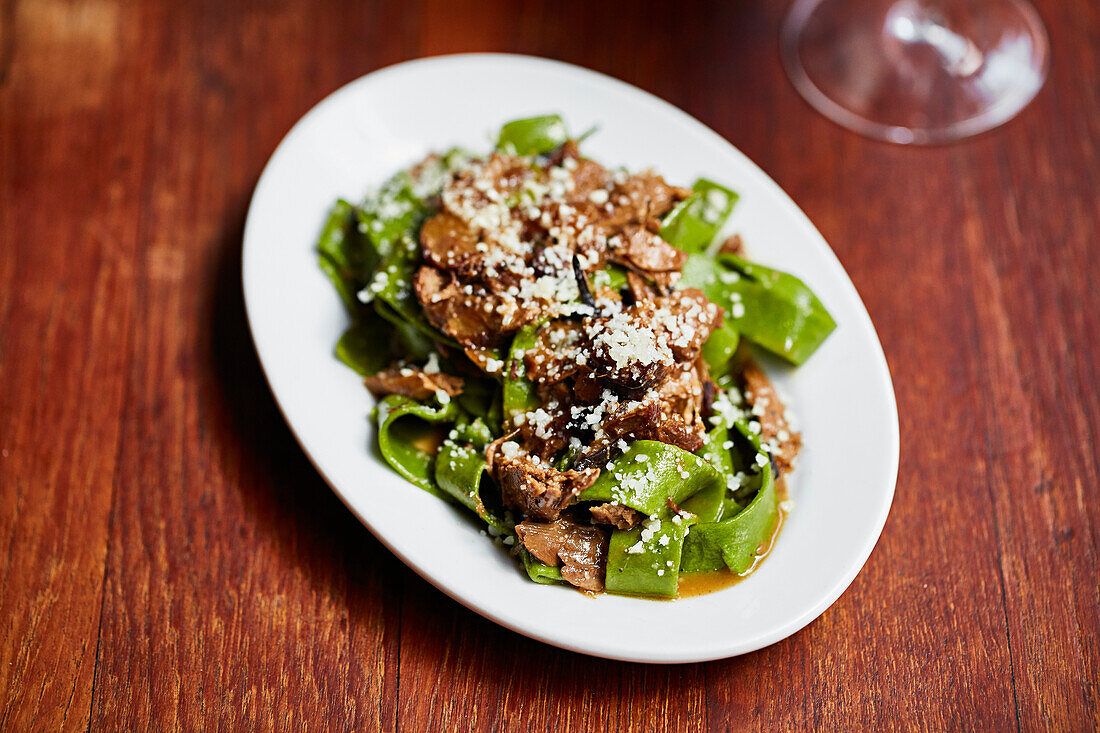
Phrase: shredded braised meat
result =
(622, 517)
(775, 427)
(733, 245)
(414, 383)
(579, 549)
(535, 488)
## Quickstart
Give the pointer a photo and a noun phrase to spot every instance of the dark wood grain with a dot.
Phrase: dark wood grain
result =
(169, 558)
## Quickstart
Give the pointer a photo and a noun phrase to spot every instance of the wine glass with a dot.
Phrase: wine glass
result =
(916, 71)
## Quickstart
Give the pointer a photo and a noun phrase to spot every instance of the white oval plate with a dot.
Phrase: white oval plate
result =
(364, 132)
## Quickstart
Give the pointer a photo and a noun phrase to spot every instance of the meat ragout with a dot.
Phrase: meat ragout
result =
(517, 245)
(565, 350)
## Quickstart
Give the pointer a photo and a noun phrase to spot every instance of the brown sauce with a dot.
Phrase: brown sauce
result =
(697, 584)
(429, 441)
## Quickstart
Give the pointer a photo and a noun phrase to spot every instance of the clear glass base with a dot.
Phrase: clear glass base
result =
(916, 71)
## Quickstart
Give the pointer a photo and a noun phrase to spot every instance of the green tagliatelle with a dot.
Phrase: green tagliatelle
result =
(648, 475)
(719, 349)
(540, 572)
(694, 223)
(402, 425)
(747, 514)
(646, 561)
(708, 503)
(358, 346)
(460, 469)
(724, 532)
(481, 398)
(735, 542)
(396, 302)
(518, 392)
(772, 309)
(708, 511)
(339, 250)
(371, 258)
(533, 135)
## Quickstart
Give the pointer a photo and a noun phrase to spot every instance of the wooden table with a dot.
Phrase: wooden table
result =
(171, 560)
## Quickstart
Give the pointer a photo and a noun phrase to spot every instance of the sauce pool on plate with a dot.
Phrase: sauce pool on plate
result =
(697, 584)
